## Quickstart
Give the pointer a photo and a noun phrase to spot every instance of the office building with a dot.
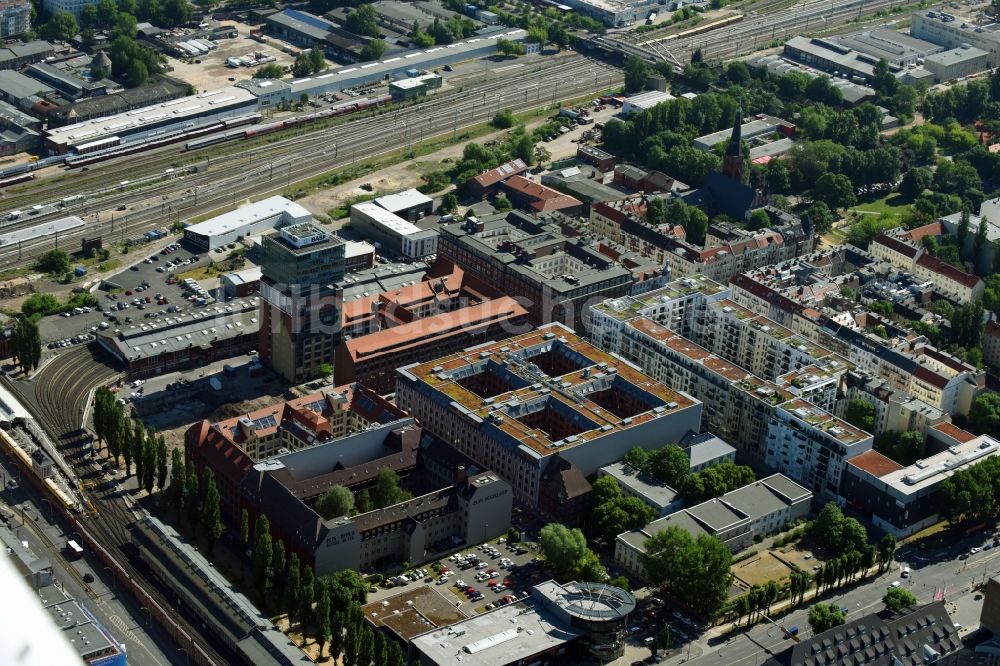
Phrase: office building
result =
(516, 405)
(530, 259)
(957, 63)
(756, 509)
(250, 220)
(904, 500)
(953, 31)
(557, 623)
(633, 482)
(421, 320)
(397, 235)
(595, 156)
(409, 204)
(93, 643)
(613, 13)
(644, 101)
(15, 17)
(534, 197)
(300, 310)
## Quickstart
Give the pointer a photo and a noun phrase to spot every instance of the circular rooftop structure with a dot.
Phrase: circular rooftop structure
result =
(596, 602)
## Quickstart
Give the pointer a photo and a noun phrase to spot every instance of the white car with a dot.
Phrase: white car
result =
(895, 583)
(973, 551)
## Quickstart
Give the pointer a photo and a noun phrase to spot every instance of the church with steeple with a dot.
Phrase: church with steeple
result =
(724, 191)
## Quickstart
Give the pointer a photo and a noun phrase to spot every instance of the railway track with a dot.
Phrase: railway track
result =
(225, 182)
(753, 32)
(57, 397)
(104, 178)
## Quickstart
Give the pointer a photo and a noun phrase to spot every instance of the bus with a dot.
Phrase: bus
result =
(74, 549)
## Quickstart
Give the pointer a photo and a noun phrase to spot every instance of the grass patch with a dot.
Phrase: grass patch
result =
(202, 273)
(927, 532)
(891, 204)
(344, 209)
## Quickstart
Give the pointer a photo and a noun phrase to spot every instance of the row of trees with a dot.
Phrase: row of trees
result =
(327, 608)
(308, 62)
(670, 465)
(130, 441)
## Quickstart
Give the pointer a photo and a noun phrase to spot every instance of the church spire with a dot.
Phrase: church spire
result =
(732, 163)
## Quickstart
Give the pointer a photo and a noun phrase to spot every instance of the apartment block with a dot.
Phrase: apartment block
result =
(518, 405)
(735, 518)
(953, 31)
(677, 305)
(950, 282)
(903, 500)
(895, 410)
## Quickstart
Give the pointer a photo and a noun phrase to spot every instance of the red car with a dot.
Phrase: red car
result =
(128, 293)
(492, 583)
(470, 590)
(507, 582)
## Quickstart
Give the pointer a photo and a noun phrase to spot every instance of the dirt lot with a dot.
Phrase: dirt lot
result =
(212, 72)
(408, 173)
(760, 568)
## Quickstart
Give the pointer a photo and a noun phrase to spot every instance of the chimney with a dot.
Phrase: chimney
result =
(460, 475)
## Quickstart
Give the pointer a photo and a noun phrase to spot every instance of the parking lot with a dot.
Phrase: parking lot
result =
(147, 291)
(477, 578)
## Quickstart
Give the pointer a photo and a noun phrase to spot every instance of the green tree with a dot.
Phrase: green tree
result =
(26, 344)
(306, 598)
(374, 50)
(759, 219)
(504, 119)
(178, 480)
(336, 501)
(821, 217)
(669, 464)
(301, 66)
(513, 535)
(54, 262)
(696, 571)
(363, 502)
(861, 414)
(897, 599)
(507, 47)
(915, 181)
(984, 416)
(449, 203)
(501, 203)
(271, 70)
(61, 27)
(885, 80)
(162, 462)
(588, 568)
(835, 190)
(322, 619)
(290, 599)
(386, 490)
(263, 552)
(362, 20)
(40, 304)
(192, 500)
(562, 546)
(149, 465)
(317, 59)
(244, 530)
(823, 617)
(636, 73)
(134, 451)
(211, 517)
(637, 457)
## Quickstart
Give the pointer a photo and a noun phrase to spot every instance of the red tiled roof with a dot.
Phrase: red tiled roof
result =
(874, 463)
(931, 377)
(953, 431)
(494, 176)
(897, 245)
(932, 229)
(545, 198)
(948, 271)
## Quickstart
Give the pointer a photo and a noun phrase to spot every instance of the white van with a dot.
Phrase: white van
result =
(906, 572)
